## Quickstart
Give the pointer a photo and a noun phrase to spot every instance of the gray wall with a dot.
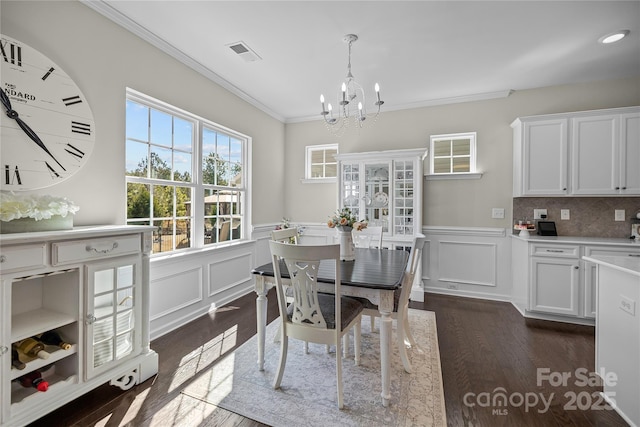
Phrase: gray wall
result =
(104, 59)
(452, 202)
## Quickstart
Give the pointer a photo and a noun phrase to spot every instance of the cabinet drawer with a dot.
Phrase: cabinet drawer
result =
(612, 251)
(83, 250)
(556, 251)
(22, 257)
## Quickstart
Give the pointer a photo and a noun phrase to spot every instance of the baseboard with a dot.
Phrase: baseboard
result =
(467, 294)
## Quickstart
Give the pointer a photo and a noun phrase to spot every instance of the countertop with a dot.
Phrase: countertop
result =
(626, 264)
(581, 240)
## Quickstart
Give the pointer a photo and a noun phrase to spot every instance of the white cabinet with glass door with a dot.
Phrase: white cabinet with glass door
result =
(385, 188)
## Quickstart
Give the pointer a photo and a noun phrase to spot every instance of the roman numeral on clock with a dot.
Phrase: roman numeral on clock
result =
(52, 171)
(48, 73)
(83, 128)
(12, 176)
(71, 100)
(11, 53)
(74, 151)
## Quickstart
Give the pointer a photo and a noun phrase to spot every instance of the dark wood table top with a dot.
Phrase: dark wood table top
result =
(372, 268)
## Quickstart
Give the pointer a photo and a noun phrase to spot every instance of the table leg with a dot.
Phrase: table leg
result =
(261, 318)
(385, 308)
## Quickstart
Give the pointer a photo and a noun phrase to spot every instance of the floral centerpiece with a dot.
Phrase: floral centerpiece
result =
(22, 213)
(344, 219)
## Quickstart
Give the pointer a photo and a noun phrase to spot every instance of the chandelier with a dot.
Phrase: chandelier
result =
(350, 100)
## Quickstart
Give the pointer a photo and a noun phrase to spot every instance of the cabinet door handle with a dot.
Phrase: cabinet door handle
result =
(635, 255)
(3, 349)
(557, 251)
(90, 319)
(576, 267)
(90, 248)
(3, 258)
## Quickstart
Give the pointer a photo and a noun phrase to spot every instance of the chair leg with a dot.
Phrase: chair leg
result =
(306, 347)
(339, 374)
(345, 345)
(407, 330)
(284, 344)
(402, 348)
(357, 332)
(373, 323)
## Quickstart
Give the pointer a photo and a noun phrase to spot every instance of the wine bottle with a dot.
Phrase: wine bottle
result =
(32, 348)
(34, 379)
(15, 360)
(54, 338)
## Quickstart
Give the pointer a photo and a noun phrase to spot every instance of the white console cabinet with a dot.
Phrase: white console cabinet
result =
(89, 284)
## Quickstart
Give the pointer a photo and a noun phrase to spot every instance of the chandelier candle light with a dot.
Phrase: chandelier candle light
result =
(350, 96)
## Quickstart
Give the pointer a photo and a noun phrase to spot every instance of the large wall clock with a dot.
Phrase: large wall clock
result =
(48, 131)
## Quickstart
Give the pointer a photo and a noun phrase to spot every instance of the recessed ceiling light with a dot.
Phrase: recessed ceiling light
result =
(613, 37)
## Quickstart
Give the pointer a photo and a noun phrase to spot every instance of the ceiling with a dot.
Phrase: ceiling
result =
(420, 52)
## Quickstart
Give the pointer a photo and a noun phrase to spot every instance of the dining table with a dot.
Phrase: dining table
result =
(375, 274)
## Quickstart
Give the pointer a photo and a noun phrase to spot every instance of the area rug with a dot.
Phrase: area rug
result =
(308, 391)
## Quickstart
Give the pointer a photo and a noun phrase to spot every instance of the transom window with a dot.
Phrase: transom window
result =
(185, 175)
(453, 153)
(320, 162)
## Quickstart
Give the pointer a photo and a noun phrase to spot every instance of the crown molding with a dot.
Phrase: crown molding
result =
(112, 14)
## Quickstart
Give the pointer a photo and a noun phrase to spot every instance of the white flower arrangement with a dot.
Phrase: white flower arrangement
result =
(14, 206)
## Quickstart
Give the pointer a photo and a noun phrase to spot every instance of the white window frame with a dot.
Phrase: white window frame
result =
(309, 150)
(197, 185)
(473, 173)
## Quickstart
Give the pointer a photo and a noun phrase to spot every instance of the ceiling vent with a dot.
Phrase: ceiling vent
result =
(244, 51)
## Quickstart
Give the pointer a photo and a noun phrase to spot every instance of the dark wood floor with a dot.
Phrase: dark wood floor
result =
(484, 346)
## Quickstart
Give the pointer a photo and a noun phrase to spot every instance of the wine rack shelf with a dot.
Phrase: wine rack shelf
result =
(28, 324)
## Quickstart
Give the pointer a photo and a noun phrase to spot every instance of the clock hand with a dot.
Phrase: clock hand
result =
(12, 114)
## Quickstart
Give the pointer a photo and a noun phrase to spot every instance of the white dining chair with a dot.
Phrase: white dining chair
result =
(286, 235)
(401, 302)
(313, 316)
(370, 237)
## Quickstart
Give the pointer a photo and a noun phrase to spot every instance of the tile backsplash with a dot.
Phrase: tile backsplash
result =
(589, 216)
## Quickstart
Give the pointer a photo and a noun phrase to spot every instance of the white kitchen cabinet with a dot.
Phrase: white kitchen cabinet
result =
(600, 159)
(385, 188)
(550, 281)
(540, 157)
(555, 285)
(89, 284)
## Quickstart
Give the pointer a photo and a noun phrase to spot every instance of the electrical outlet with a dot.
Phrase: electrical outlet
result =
(564, 214)
(452, 286)
(628, 305)
(537, 213)
(619, 216)
(497, 213)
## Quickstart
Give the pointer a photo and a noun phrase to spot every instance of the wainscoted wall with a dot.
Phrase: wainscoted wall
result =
(473, 262)
(468, 261)
(590, 216)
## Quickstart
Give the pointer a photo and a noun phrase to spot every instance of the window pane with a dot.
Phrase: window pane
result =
(442, 148)
(181, 166)
(210, 168)
(161, 163)
(331, 170)
(442, 165)
(162, 201)
(317, 171)
(461, 147)
(163, 236)
(317, 156)
(161, 128)
(136, 162)
(182, 135)
(235, 154)
(183, 233)
(236, 175)
(137, 121)
(138, 201)
(461, 164)
(183, 201)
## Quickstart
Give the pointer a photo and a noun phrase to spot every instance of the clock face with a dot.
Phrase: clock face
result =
(48, 131)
